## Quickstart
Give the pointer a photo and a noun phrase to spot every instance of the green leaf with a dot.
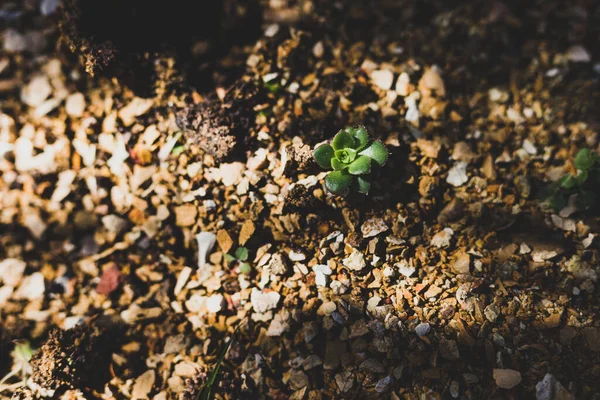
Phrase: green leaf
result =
(323, 155)
(338, 165)
(241, 253)
(567, 182)
(338, 182)
(360, 135)
(230, 258)
(343, 140)
(585, 159)
(245, 268)
(345, 155)
(581, 177)
(360, 166)
(376, 151)
(364, 184)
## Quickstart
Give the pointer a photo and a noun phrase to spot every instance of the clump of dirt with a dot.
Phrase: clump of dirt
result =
(217, 126)
(74, 358)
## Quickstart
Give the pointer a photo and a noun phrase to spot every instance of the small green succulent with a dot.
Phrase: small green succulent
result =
(584, 184)
(350, 155)
(240, 256)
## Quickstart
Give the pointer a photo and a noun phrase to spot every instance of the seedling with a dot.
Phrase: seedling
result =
(205, 392)
(240, 256)
(351, 155)
(21, 354)
(583, 184)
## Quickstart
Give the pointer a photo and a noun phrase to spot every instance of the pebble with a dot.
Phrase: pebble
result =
(449, 349)
(143, 385)
(137, 107)
(36, 91)
(550, 388)
(403, 84)
(206, 242)
(14, 42)
(32, 287)
(231, 174)
(214, 303)
(11, 271)
(264, 301)
(373, 227)
(326, 308)
(441, 240)
(75, 105)
(355, 261)
(278, 326)
(422, 329)
(405, 269)
(507, 378)
(578, 53)
(462, 264)
(457, 176)
(321, 274)
(382, 78)
(383, 385)
(344, 381)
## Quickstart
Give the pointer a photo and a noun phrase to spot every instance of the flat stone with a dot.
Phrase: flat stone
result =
(422, 329)
(264, 301)
(506, 378)
(11, 271)
(355, 261)
(373, 227)
(382, 78)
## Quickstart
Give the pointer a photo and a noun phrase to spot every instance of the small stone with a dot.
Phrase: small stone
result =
(355, 261)
(382, 78)
(321, 274)
(422, 329)
(176, 343)
(264, 301)
(432, 81)
(457, 176)
(383, 385)
(441, 239)
(327, 308)
(206, 242)
(214, 303)
(246, 232)
(311, 362)
(373, 227)
(578, 53)
(506, 378)
(373, 302)
(32, 287)
(433, 291)
(185, 215)
(114, 223)
(344, 381)
(278, 326)
(491, 312)
(143, 385)
(550, 388)
(231, 174)
(11, 271)
(75, 104)
(403, 84)
(372, 365)
(36, 91)
(334, 351)
(137, 107)
(449, 349)
(225, 241)
(462, 264)
(14, 42)
(405, 269)
(454, 389)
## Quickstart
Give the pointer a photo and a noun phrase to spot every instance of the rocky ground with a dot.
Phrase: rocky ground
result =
(452, 279)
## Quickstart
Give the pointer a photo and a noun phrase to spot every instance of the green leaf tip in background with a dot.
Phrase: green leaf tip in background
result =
(323, 155)
(377, 151)
(585, 159)
(338, 182)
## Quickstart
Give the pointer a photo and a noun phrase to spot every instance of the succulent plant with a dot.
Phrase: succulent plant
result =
(351, 155)
(583, 185)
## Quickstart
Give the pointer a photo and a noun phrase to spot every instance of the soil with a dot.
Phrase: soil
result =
(135, 158)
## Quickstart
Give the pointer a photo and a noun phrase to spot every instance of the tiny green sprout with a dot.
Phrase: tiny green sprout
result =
(240, 255)
(583, 185)
(351, 155)
(22, 355)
